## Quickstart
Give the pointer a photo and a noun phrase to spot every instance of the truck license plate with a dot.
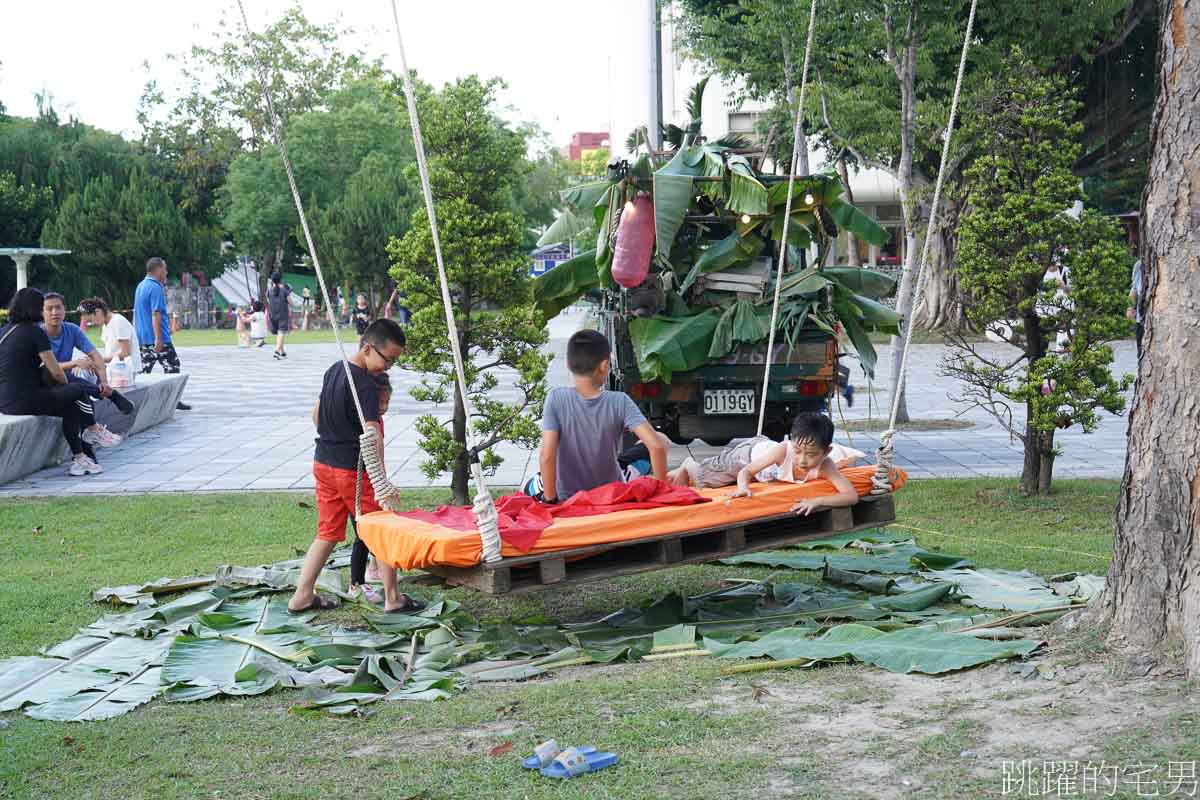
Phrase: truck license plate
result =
(729, 401)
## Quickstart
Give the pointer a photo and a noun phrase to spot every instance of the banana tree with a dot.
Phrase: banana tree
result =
(713, 211)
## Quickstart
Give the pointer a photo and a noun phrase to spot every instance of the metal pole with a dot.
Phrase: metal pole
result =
(22, 270)
(656, 101)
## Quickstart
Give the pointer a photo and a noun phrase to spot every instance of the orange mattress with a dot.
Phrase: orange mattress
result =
(413, 544)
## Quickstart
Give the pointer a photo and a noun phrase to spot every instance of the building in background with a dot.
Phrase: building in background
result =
(583, 143)
(548, 257)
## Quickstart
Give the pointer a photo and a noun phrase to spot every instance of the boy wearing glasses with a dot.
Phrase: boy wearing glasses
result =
(335, 462)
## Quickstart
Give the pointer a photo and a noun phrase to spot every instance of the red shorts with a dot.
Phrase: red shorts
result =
(335, 500)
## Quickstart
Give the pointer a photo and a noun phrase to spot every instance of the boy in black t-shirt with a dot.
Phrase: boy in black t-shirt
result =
(335, 462)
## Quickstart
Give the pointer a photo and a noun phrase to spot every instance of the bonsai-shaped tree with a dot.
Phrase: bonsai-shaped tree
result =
(1051, 283)
(474, 161)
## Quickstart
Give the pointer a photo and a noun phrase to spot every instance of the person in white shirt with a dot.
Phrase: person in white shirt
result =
(120, 338)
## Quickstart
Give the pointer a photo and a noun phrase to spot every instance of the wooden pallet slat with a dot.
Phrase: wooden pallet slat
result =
(601, 561)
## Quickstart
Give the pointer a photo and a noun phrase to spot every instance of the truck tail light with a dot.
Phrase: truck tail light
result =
(645, 391)
(814, 388)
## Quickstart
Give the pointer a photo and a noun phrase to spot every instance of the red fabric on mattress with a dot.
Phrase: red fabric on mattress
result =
(522, 519)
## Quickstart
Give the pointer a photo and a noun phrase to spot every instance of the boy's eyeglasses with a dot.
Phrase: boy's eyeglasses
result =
(390, 362)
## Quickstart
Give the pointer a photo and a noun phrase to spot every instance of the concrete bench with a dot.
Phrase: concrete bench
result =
(28, 443)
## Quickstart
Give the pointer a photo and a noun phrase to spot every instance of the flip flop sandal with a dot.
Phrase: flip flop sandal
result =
(573, 762)
(546, 752)
(318, 604)
(409, 607)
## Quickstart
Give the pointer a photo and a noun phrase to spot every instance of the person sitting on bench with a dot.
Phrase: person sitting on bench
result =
(808, 454)
(582, 426)
(33, 382)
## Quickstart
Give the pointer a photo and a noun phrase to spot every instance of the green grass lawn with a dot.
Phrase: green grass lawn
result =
(60, 550)
(228, 337)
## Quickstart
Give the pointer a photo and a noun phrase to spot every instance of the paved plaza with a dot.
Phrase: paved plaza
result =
(250, 428)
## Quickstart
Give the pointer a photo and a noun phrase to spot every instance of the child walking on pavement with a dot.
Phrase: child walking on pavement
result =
(335, 462)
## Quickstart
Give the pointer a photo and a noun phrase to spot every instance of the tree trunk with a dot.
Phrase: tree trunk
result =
(852, 259)
(1153, 594)
(1031, 470)
(1046, 468)
(941, 305)
(460, 481)
(1039, 445)
(907, 73)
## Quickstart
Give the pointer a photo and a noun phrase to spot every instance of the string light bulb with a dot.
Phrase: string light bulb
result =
(809, 199)
(745, 219)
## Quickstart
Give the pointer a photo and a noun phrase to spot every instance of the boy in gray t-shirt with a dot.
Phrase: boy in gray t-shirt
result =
(582, 425)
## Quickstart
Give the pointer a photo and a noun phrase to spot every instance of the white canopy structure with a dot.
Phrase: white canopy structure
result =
(21, 256)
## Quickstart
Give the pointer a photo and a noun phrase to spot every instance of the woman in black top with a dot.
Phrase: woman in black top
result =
(25, 357)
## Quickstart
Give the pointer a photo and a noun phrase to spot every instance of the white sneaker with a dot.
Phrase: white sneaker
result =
(100, 436)
(82, 465)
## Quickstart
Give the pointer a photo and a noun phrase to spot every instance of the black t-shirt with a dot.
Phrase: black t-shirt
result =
(20, 376)
(338, 428)
(277, 301)
(362, 318)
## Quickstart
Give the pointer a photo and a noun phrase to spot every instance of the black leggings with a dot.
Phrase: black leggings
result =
(358, 559)
(62, 400)
(87, 406)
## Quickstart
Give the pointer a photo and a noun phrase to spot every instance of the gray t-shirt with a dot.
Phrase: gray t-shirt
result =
(589, 436)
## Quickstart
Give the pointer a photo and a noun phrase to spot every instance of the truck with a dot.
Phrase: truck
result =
(690, 321)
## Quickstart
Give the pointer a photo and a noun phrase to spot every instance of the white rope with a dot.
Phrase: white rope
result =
(882, 477)
(485, 510)
(787, 217)
(368, 442)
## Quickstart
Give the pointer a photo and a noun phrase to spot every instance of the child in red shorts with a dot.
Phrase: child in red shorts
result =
(335, 462)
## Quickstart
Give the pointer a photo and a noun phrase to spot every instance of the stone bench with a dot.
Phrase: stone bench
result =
(29, 444)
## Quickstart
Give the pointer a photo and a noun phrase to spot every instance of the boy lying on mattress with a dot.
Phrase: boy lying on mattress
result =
(582, 426)
(807, 454)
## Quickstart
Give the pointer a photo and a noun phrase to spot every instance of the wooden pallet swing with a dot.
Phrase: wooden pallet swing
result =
(602, 561)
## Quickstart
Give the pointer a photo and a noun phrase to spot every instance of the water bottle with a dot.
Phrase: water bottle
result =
(120, 373)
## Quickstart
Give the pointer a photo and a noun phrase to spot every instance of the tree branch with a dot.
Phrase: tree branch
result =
(842, 140)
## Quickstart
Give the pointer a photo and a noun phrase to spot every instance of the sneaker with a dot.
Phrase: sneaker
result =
(100, 436)
(276, 355)
(182, 406)
(82, 465)
(283, 355)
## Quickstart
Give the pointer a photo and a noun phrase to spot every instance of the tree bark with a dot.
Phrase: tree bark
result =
(461, 478)
(1153, 595)
(906, 73)
(941, 305)
(460, 482)
(852, 259)
(1046, 468)
(1039, 445)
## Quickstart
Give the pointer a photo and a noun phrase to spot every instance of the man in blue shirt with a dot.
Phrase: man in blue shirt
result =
(65, 338)
(150, 321)
(1134, 312)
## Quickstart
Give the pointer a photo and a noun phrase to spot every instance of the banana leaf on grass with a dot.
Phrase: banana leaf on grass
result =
(909, 650)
